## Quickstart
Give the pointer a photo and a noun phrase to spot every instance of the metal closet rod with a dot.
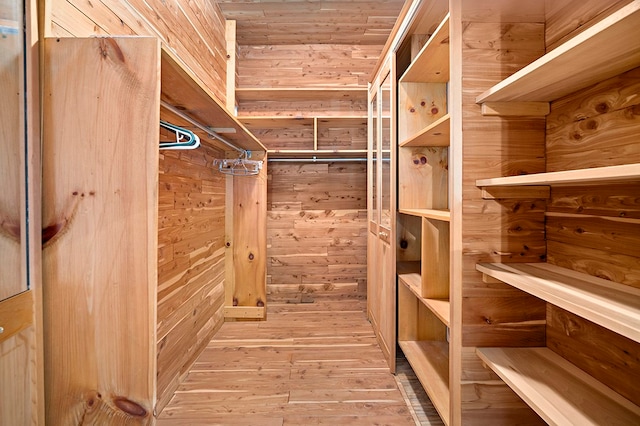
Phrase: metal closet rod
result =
(205, 129)
(314, 160)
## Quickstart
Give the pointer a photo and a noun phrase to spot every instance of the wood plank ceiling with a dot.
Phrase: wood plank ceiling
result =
(270, 22)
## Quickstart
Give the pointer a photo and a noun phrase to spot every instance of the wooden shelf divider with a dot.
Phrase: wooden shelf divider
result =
(612, 305)
(557, 390)
(625, 172)
(430, 362)
(436, 134)
(608, 48)
(432, 63)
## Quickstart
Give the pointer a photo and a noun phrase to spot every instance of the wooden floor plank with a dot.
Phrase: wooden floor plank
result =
(309, 363)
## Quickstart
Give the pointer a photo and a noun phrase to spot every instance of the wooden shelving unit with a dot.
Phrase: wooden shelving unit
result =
(608, 48)
(424, 308)
(557, 381)
(557, 390)
(517, 231)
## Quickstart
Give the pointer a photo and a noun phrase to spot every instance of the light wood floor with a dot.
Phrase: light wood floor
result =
(309, 363)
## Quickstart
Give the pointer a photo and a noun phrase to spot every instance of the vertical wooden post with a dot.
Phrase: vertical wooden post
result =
(100, 210)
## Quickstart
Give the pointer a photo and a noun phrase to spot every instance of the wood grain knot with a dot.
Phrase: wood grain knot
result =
(130, 407)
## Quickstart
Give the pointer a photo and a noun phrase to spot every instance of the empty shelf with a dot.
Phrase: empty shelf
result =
(609, 304)
(607, 49)
(558, 391)
(436, 134)
(624, 172)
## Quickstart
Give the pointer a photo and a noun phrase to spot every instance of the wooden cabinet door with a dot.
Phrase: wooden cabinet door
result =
(381, 268)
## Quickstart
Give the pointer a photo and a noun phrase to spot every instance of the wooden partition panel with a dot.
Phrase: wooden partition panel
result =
(100, 180)
(191, 261)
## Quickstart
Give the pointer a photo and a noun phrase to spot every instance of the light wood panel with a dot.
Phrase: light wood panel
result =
(309, 363)
(100, 217)
(357, 22)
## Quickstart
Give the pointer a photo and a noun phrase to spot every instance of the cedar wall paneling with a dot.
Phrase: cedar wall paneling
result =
(308, 65)
(194, 29)
(191, 252)
(316, 230)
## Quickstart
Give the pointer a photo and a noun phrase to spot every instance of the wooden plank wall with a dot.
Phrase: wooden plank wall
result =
(595, 229)
(194, 29)
(316, 231)
(306, 65)
(191, 261)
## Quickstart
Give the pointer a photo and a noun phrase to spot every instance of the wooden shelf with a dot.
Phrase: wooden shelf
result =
(607, 49)
(432, 63)
(624, 172)
(443, 215)
(184, 90)
(436, 134)
(430, 362)
(441, 308)
(558, 391)
(293, 94)
(609, 304)
(318, 153)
